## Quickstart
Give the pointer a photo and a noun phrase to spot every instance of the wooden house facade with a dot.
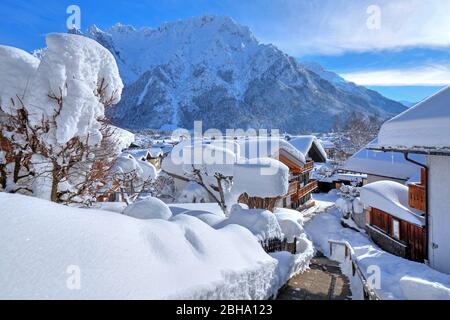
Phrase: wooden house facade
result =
(300, 184)
(403, 235)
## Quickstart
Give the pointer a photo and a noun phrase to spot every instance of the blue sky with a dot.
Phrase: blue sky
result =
(400, 48)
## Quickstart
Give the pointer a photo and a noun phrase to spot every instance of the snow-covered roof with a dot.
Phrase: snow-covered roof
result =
(327, 144)
(304, 144)
(122, 137)
(137, 153)
(145, 153)
(424, 127)
(155, 152)
(391, 197)
(385, 164)
(261, 177)
(269, 147)
(126, 163)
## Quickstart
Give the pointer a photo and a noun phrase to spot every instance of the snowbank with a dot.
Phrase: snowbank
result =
(150, 208)
(400, 278)
(261, 177)
(46, 246)
(391, 197)
(291, 223)
(262, 223)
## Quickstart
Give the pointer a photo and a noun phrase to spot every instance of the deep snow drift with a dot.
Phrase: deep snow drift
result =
(125, 258)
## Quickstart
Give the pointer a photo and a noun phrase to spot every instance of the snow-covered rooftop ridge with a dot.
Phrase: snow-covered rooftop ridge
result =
(423, 127)
(255, 147)
(152, 152)
(384, 164)
(305, 143)
(126, 258)
(391, 197)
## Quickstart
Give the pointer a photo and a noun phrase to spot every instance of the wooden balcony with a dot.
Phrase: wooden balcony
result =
(310, 187)
(417, 198)
(308, 166)
(293, 188)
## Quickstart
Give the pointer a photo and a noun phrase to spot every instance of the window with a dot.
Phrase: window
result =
(396, 229)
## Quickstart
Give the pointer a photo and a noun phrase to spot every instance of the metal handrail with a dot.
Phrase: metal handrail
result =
(369, 293)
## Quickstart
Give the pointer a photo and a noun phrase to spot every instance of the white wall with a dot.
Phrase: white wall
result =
(439, 193)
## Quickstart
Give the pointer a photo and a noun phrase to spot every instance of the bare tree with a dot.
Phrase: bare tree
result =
(78, 162)
(218, 190)
(357, 132)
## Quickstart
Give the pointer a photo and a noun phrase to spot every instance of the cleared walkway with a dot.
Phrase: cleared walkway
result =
(323, 281)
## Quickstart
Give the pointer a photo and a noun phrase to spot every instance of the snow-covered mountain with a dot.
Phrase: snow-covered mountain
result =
(408, 104)
(212, 69)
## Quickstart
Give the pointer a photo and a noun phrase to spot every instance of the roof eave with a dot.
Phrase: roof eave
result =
(416, 150)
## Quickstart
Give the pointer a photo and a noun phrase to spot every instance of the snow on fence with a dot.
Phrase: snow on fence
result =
(369, 293)
(277, 245)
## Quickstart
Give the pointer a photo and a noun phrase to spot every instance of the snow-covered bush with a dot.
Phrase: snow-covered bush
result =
(133, 177)
(193, 193)
(291, 223)
(349, 203)
(262, 223)
(58, 143)
(214, 171)
(150, 208)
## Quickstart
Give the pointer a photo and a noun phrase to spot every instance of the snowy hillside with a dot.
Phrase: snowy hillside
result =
(213, 69)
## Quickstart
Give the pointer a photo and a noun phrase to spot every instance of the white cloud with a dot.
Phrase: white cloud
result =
(432, 75)
(338, 26)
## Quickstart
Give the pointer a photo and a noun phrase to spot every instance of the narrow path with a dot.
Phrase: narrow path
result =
(323, 281)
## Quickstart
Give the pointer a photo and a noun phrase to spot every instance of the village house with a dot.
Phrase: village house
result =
(393, 220)
(300, 165)
(301, 184)
(425, 130)
(152, 155)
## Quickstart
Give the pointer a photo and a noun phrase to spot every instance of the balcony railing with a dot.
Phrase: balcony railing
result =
(308, 166)
(310, 187)
(293, 188)
(417, 199)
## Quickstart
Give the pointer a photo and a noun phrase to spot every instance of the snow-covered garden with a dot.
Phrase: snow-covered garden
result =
(59, 156)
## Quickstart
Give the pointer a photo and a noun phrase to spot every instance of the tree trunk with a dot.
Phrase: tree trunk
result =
(55, 180)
